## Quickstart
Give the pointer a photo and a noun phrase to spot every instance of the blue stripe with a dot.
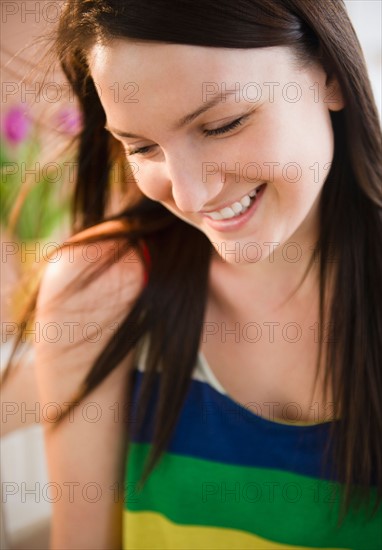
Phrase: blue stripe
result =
(213, 427)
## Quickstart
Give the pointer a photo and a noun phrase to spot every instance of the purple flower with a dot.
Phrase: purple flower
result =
(69, 121)
(16, 125)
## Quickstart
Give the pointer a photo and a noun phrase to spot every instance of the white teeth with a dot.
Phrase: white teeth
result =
(237, 208)
(227, 212)
(245, 201)
(215, 215)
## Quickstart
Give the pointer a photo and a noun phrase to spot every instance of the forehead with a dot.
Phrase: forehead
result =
(170, 66)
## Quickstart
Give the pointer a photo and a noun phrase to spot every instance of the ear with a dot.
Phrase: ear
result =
(333, 95)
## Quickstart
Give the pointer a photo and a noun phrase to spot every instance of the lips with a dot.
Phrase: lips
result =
(236, 222)
(234, 209)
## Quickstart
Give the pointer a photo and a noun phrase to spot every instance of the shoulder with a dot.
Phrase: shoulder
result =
(82, 302)
(93, 270)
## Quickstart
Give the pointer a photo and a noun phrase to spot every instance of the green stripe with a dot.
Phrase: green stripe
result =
(276, 505)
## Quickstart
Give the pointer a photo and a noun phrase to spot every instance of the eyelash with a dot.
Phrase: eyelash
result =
(139, 151)
(215, 132)
(224, 129)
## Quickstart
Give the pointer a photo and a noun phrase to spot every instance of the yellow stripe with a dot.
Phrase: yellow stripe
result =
(153, 531)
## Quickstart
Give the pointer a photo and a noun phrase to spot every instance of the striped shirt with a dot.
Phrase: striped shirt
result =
(231, 479)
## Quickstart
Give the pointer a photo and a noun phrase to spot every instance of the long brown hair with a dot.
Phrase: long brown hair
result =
(170, 309)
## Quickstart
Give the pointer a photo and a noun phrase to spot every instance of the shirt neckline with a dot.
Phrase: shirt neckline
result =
(215, 384)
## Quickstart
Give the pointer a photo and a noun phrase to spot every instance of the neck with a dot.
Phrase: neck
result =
(273, 284)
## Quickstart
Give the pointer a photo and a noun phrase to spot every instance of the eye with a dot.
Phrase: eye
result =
(140, 150)
(215, 132)
(225, 129)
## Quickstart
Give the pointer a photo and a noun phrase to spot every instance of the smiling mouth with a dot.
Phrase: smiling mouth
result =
(237, 208)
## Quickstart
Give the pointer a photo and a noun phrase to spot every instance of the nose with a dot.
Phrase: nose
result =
(194, 181)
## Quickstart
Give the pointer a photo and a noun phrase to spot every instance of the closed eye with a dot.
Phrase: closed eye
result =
(215, 132)
(140, 150)
(225, 129)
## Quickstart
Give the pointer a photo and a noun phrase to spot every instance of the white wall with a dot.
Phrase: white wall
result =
(366, 16)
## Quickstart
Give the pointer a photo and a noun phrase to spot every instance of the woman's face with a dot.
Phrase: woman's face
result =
(237, 143)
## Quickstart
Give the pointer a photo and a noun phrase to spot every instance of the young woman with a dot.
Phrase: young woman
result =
(222, 364)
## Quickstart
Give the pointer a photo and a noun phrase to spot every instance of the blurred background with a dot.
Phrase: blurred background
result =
(38, 120)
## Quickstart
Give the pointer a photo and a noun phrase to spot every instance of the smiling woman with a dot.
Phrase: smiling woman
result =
(230, 132)
(242, 279)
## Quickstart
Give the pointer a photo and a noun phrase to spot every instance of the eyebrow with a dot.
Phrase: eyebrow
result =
(187, 119)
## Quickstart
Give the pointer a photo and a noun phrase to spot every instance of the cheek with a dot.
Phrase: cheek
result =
(152, 182)
(296, 152)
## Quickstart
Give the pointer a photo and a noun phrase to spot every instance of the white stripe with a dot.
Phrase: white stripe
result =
(202, 371)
